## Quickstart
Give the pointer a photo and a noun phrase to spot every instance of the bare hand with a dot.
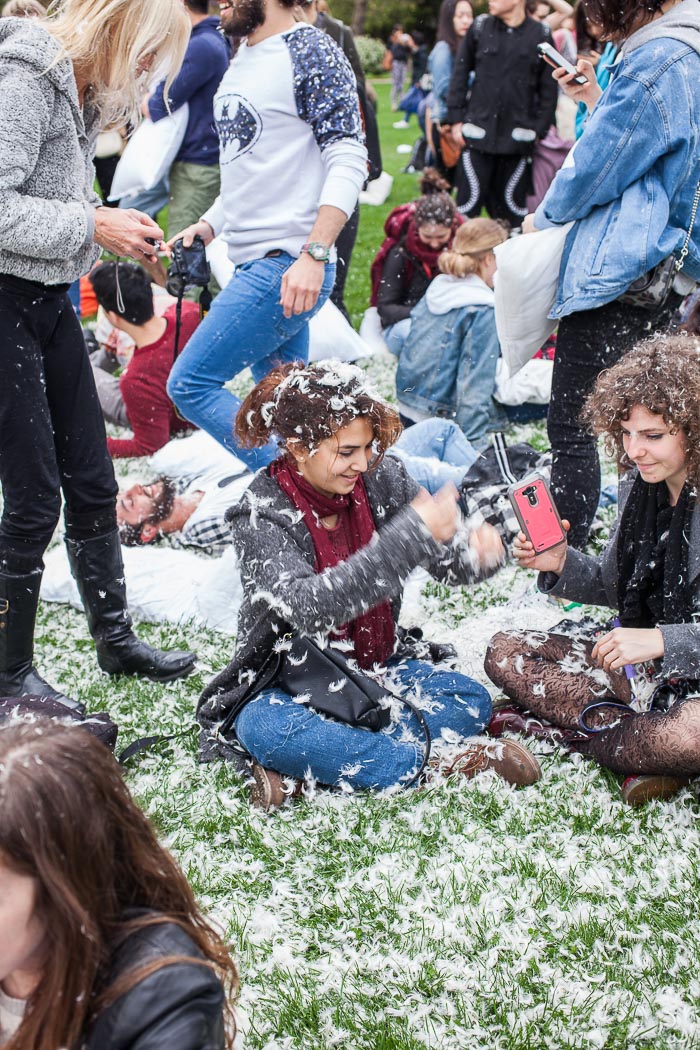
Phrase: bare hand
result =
(628, 645)
(301, 285)
(588, 93)
(439, 512)
(549, 561)
(457, 136)
(125, 231)
(486, 546)
(528, 225)
(198, 229)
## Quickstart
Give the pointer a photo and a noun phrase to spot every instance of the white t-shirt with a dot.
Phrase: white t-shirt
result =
(290, 140)
(11, 1014)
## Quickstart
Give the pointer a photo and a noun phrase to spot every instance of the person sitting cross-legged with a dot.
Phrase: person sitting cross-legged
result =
(140, 391)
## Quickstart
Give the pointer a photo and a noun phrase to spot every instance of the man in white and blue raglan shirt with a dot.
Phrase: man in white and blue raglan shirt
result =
(293, 162)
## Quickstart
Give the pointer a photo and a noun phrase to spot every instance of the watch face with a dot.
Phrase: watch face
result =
(319, 252)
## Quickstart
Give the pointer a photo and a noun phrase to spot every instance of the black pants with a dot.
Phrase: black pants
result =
(52, 434)
(344, 246)
(588, 342)
(498, 182)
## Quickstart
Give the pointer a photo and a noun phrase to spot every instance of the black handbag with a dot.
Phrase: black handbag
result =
(325, 681)
(651, 290)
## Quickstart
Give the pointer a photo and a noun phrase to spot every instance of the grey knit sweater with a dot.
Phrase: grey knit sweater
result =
(47, 199)
(282, 592)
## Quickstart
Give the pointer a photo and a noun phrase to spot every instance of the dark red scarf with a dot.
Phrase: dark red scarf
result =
(372, 633)
(423, 253)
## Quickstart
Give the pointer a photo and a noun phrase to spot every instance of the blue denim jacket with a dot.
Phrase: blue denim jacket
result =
(631, 186)
(440, 64)
(447, 368)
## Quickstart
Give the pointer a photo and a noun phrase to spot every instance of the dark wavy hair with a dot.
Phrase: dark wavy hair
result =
(69, 822)
(306, 404)
(663, 376)
(619, 18)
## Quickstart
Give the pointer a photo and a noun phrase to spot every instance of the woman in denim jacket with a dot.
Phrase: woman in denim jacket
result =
(448, 363)
(630, 193)
(453, 22)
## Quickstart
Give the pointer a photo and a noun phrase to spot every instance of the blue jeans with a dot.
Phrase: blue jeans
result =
(293, 739)
(245, 328)
(434, 452)
(395, 335)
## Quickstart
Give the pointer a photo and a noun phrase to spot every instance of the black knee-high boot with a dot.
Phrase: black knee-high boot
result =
(97, 566)
(19, 598)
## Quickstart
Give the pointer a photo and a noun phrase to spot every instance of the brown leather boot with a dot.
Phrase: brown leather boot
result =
(270, 790)
(508, 758)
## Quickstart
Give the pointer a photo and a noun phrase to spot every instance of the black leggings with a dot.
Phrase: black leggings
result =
(52, 434)
(588, 342)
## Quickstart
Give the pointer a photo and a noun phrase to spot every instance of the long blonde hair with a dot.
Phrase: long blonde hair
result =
(107, 41)
(474, 239)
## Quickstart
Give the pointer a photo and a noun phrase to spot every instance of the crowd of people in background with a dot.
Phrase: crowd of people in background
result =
(329, 495)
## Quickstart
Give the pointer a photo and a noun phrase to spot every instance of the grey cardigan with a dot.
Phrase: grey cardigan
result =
(593, 580)
(47, 200)
(282, 592)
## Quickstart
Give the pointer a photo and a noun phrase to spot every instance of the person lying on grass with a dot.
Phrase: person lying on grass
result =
(327, 536)
(647, 409)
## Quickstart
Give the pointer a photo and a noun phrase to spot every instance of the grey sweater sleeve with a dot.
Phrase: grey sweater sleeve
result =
(39, 227)
(581, 580)
(277, 573)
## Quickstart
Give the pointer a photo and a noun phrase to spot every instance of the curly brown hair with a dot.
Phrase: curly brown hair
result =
(305, 404)
(663, 376)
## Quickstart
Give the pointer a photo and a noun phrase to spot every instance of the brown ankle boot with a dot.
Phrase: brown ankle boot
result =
(508, 758)
(270, 790)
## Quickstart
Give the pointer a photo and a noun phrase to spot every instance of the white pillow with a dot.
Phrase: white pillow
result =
(330, 335)
(149, 154)
(525, 287)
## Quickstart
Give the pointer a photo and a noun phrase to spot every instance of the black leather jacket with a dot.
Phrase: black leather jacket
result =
(179, 1007)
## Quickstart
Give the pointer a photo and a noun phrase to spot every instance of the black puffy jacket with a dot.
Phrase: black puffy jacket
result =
(179, 1007)
(512, 99)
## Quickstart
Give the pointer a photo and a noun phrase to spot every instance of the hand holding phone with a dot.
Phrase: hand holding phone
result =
(557, 61)
(542, 528)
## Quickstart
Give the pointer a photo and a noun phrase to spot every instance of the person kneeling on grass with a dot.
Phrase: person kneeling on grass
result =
(326, 537)
(647, 408)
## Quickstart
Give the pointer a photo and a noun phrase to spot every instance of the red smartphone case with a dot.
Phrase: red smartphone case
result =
(535, 510)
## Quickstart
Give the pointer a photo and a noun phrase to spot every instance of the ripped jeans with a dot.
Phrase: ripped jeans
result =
(294, 740)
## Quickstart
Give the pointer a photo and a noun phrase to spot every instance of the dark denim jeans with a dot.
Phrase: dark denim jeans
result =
(245, 328)
(588, 342)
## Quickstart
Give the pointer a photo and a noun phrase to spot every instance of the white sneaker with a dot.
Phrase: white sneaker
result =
(400, 124)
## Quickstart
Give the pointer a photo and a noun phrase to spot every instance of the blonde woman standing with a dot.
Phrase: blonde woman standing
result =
(448, 364)
(62, 79)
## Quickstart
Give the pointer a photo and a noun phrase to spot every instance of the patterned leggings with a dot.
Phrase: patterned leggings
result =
(553, 676)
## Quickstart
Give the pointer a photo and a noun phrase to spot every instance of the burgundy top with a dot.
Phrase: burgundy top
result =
(151, 413)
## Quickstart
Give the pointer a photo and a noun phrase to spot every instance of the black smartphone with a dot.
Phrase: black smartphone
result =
(557, 61)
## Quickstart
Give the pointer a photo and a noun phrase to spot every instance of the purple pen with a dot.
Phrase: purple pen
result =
(629, 668)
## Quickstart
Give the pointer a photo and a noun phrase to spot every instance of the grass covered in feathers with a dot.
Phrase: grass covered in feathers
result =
(466, 915)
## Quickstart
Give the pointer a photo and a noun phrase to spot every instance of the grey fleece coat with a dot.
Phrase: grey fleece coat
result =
(282, 592)
(47, 200)
(593, 580)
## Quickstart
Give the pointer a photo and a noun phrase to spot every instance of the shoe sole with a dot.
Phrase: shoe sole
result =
(644, 789)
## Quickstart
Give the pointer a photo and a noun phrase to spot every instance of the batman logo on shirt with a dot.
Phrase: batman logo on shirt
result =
(238, 125)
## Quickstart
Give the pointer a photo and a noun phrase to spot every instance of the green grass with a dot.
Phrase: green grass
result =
(467, 915)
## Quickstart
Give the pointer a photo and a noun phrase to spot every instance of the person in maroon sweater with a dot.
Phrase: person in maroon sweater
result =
(147, 408)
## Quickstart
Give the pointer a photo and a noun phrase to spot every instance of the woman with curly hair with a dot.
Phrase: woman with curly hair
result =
(102, 944)
(647, 409)
(326, 538)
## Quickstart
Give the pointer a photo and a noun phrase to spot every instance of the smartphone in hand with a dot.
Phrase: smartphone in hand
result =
(535, 510)
(557, 61)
